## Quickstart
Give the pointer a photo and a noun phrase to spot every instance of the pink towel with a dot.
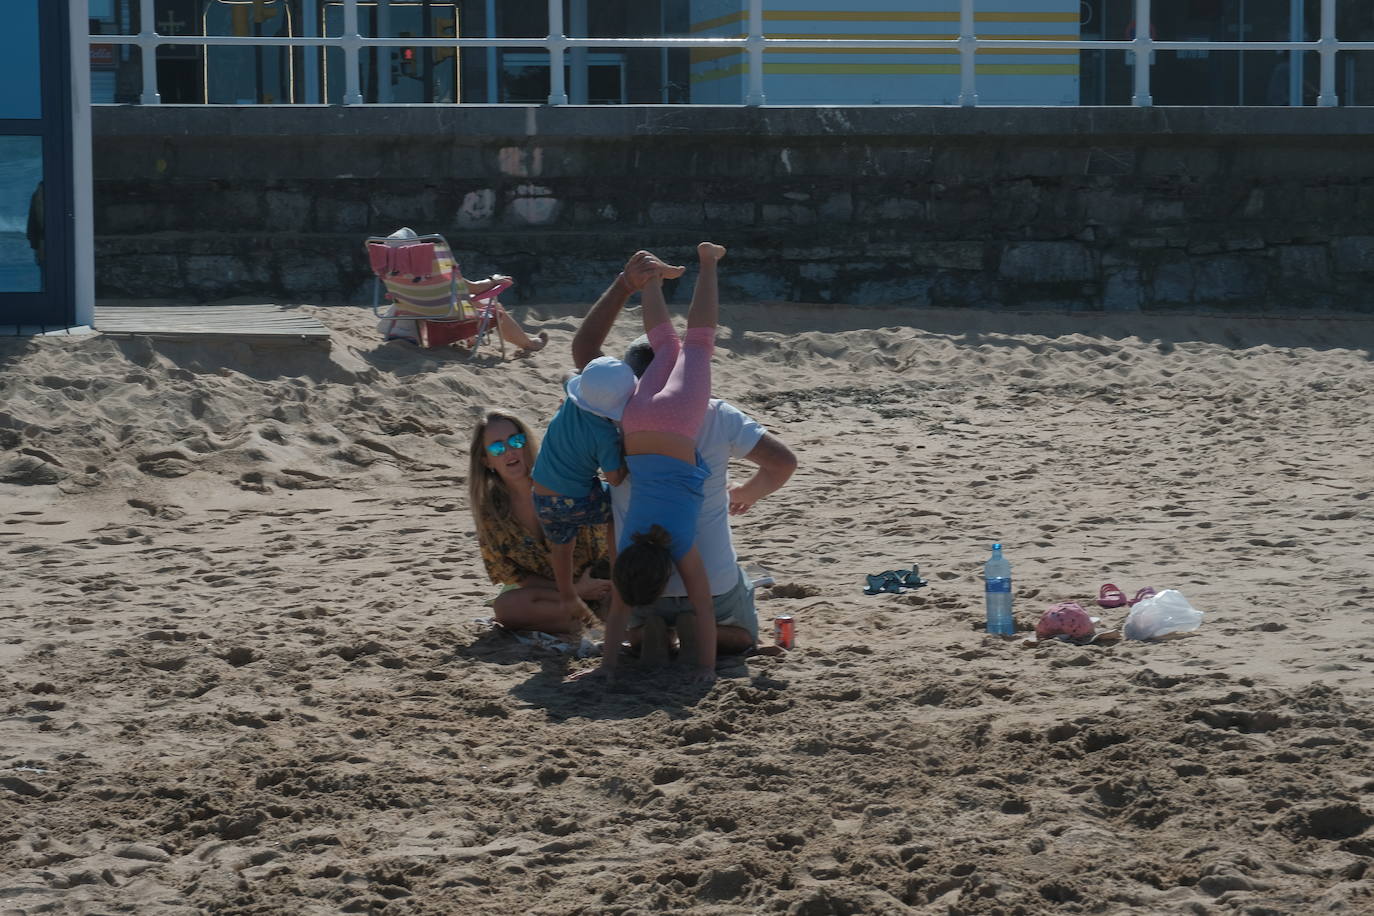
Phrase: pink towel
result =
(379, 256)
(406, 260)
(414, 260)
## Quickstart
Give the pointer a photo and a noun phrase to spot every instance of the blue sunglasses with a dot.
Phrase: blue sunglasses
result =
(498, 447)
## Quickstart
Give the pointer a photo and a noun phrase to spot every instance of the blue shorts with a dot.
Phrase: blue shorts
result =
(562, 516)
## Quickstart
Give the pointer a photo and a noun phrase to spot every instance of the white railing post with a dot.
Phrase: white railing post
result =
(310, 28)
(147, 53)
(352, 41)
(1327, 94)
(558, 43)
(386, 56)
(491, 53)
(968, 55)
(82, 220)
(1295, 33)
(577, 56)
(754, 47)
(1144, 47)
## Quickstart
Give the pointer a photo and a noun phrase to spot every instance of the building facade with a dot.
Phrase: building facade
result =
(187, 74)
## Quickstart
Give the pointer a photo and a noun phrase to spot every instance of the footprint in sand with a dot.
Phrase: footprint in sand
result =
(169, 512)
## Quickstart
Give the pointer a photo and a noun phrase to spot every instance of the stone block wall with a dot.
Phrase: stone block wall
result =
(1242, 209)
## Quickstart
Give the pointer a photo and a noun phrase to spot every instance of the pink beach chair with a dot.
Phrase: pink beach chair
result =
(426, 300)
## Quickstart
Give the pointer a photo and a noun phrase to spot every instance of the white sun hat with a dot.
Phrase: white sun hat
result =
(603, 387)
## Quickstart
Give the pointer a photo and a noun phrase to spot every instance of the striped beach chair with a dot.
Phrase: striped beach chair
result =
(426, 299)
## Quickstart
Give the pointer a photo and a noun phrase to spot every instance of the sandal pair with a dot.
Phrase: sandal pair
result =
(1109, 596)
(894, 581)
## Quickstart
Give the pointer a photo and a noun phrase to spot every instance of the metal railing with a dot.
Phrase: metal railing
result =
(754, 44)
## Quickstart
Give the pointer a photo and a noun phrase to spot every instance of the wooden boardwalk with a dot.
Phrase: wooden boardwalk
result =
(262, 322)
(43, 330)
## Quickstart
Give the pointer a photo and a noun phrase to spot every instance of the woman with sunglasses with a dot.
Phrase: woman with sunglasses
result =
(501, 457)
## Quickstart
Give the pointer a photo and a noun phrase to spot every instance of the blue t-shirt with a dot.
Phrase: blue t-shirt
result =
(667, 492)
(576, 443)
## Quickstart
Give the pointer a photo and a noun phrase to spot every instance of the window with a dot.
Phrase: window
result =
(525, 78)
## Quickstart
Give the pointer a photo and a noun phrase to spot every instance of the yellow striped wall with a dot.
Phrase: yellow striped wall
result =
(821, 76)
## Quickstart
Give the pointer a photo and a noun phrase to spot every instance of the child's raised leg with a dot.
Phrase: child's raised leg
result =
(682, 400)
(653, 307)
(658, 324)
(705, 309)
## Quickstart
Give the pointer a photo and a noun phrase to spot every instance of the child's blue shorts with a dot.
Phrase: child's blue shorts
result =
(562, 516)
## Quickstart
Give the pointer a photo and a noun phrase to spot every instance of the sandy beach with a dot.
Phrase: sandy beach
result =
(244, 666)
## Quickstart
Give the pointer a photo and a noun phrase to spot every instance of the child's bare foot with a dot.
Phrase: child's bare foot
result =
(710, 251)
(603, 676)
(644, 266)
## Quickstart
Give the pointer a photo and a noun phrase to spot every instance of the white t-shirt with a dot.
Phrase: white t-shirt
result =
(725, 433)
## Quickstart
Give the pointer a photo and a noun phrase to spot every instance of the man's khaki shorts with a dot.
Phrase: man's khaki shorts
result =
(734, 608)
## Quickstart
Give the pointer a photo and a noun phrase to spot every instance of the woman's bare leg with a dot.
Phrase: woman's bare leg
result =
(515, 334)
(534, 608)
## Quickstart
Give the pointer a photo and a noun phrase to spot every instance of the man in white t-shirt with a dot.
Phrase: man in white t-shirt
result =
(725, 433)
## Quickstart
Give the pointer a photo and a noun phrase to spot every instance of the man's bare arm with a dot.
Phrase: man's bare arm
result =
(591, 335)
(775, 465)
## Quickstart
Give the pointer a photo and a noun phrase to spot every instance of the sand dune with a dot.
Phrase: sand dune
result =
(242, 669)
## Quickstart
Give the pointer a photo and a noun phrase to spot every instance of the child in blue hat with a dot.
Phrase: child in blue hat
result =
(568, 492)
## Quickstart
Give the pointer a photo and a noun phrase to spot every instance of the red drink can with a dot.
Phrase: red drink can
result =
(784, 631)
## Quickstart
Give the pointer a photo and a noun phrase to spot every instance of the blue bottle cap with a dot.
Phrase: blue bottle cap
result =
(996, 546)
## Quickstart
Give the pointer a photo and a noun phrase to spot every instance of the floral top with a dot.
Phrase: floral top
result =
(512, 554)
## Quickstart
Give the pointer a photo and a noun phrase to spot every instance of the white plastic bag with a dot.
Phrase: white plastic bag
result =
(1161, 614)
(391, 327)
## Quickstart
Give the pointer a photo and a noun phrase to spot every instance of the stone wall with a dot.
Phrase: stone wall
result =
(1088, 208)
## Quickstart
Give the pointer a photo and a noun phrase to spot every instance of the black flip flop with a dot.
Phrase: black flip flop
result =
(894, 581)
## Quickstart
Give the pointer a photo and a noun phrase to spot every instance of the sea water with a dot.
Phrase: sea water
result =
(19, 272)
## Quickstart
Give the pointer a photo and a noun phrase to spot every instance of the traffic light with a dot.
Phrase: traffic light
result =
(404, 61)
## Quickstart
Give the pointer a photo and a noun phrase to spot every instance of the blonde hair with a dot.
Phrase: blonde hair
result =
(487, 494)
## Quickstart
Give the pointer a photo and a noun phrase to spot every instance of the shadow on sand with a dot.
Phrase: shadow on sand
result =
(634, 694)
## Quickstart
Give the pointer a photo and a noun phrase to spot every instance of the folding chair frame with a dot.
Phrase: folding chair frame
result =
(462, 317)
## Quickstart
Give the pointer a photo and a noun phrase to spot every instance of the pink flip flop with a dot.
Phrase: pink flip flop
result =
(1141, 595)
(1111, 596)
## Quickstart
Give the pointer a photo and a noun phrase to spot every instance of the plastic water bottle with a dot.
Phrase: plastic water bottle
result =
(997, 587)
